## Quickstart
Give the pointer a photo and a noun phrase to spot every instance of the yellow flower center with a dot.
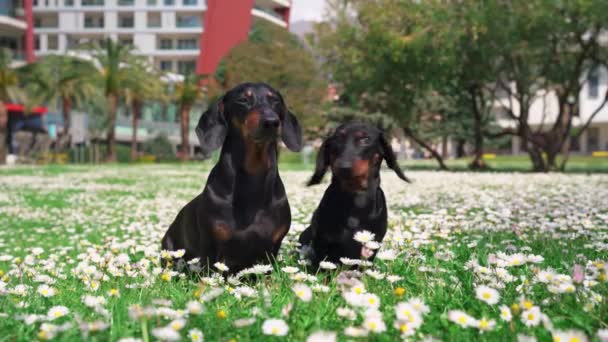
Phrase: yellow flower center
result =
(486, 295)
(400, 291)
(58, 314)
(462, 319)
(530, 317)
(483, 324)
(528, 304)
(372, 325)
(403, 328)
(300, 293)
(221, 314)
(275, 330)
(575, 339)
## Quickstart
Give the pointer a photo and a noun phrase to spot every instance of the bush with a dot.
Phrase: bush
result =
(160, 147)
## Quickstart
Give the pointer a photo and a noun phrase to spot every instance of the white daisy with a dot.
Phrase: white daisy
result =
(364, 236)
(303, 292)
(196, 335)
(487, 294)
(531, 317)
(505, 313)
(275, 327)
(57, 312)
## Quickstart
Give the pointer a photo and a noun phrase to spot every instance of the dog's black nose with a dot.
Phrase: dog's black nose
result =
(271, 123)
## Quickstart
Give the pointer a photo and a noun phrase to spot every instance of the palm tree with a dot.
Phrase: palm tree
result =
(143, 84)
(187, 93)
(66, 78)
(9, 90)
(113, 59)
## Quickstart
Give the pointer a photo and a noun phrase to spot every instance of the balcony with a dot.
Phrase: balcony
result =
(268, 14)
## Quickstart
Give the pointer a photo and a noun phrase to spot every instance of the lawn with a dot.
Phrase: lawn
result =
(489, 256)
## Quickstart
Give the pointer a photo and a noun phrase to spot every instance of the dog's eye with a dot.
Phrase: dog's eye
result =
(363, 141)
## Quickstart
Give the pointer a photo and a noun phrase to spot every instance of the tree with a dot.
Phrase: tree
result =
(113, 59)
(279, 58)
(9, 91)
(187, 93)
(544, 56)
(69, 79)
(143, 84)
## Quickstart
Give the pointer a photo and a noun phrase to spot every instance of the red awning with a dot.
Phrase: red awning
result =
(14, 107)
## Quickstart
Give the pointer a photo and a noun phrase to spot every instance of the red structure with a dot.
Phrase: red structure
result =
(29, 31)
(227, 23)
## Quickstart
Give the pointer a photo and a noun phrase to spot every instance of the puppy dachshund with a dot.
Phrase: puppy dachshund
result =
(354, 200)
(242, 214)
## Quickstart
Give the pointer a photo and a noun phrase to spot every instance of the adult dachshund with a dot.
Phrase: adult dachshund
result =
(242, 214)
(354, 200)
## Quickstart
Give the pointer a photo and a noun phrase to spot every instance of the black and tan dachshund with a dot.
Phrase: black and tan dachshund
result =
(242, 214)
(354, 200)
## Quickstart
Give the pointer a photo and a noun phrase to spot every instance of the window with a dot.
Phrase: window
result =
(92, 2)
(166, 44)
(186, 67)
(190, 2)
(154, 19)
(169, 2)
(126, 21)
(52, 42)
(37, 42)
(188, 21)
(151, 2)
(68, 3)
(37, 22)
(186, 44)
(93, 21)
(593, 139)
(126, 2)
(166, 65)
(126, 41)
(594, 81)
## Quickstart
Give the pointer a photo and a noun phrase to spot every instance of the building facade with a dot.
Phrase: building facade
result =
(13, 29)
(180, 36)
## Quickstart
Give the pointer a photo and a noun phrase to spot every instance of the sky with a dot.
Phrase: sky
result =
(307, 10)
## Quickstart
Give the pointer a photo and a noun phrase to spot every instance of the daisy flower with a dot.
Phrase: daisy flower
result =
(505, 313)
(487, 294)
(461, 318)
(419, 305)
(46, 291)
(327, 265)
(374, 324)
(355, 332)
(194, 307)
(221, 267)
(290, 269)
(303, 292)
(57, 312)
(275, 327)
(364, 236)
(322, 336)
(346, 313)
(370, 300)
(569, 336)
(196, 335)
(405, 312)
(166, 334)
(484, 324)
(531, 317)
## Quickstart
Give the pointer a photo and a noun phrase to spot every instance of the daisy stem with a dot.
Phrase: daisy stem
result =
(144, 330)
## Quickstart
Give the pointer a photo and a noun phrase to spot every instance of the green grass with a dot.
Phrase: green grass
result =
(77, 212)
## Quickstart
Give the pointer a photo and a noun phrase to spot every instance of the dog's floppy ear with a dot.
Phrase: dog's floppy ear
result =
(212, 127)
(291, 132)
(322, 163)
(391, 159)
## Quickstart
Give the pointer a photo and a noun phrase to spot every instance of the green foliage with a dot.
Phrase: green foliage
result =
(160, 147)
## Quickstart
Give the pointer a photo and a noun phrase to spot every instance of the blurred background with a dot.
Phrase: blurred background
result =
(478, 85)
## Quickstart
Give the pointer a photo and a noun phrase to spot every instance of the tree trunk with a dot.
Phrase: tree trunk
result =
(66, 112)
(111, 137)
(408, 132)
(460, 148)
(3, 132)
(135, 119)
(477, 163)
(185, 125)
